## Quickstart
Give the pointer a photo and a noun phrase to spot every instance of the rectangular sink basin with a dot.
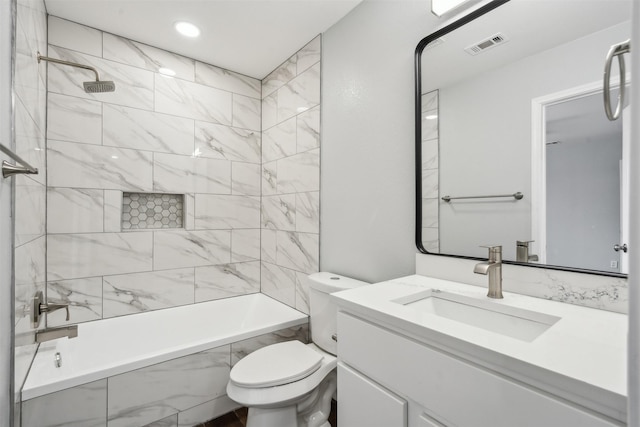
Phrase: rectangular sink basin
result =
(525, 325)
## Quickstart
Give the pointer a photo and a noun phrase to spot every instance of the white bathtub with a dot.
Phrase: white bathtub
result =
(114, 346)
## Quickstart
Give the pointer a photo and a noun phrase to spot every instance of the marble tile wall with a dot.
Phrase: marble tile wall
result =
(430, 165)
(182, 392)
(197, 134)
(30, 191)
(290, 207)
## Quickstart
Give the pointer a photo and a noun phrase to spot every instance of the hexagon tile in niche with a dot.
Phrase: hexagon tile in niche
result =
(152, 210)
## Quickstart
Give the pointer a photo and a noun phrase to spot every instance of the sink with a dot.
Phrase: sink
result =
(519, 323)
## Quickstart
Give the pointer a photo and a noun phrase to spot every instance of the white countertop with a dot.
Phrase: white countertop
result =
(582, 357)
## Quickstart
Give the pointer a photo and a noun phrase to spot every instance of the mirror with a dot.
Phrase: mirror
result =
(513, 145)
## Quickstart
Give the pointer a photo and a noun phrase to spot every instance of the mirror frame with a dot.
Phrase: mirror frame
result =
(418, 144)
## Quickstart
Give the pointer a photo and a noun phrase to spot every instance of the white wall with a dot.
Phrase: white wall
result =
(367, 180)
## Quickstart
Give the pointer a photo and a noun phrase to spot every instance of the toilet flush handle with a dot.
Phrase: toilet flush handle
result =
(334, 337)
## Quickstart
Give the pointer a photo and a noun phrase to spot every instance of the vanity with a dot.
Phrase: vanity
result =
(423, 352)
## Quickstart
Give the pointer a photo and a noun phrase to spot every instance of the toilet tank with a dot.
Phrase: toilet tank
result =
(323, 311)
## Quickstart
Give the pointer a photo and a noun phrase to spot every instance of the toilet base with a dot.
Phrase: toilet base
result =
(311, 410)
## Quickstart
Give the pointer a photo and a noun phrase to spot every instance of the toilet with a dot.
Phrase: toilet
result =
(291, 384)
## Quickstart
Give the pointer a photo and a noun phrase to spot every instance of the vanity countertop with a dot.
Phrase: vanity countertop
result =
(582, 357)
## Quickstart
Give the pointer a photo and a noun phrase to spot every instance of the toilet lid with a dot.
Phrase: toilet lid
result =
(276, 364)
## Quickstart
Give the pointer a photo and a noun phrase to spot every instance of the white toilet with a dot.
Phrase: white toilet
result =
(291, 384)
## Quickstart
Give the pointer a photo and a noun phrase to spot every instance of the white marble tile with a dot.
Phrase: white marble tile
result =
(74, 119)
(190, 212)
(112, 210)
(84, 297)
(269, 245)
(308, 55)
(429, 101)
(430, 184)
(245, 178)
(128, 52)
(430, 212)
(279, 77)
(30, 207)
(134, 86)
(308, 130)
(430, 125)
(430, 154)
(206, 411)
(30, 142)
(91, 166)
(245, 245)
(72, 210)
(225, 212)
(74, 36)
(243, 348)
(227, 280)
(299, 173)
(279, 141)
(152, 393)
(170, 421)
(140, 292)
(269, 178)
(30, 274)
(308, 212)
(302, 293)
(145, 130)
(278, 283)
(80, 406)
(192, 100)
(269, 111)
(178, 249)
(72, 256)
(298, 251)
(247, 112)
(279, 212)
(227, 80)
(186, 174)
(225, 142)
(300, 94)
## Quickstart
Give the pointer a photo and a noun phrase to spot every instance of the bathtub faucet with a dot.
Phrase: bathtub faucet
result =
(39, 306)
(55, 333)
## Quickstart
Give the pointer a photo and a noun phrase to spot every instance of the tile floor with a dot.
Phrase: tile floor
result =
(238, 418)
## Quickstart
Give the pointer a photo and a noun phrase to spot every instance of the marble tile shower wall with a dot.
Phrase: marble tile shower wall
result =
(430, 176)
(197, 133)
(30, 191)
(291, 176)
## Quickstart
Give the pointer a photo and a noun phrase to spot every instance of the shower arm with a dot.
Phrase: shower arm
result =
(72, 64)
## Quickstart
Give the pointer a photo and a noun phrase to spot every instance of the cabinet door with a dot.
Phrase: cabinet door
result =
(361, 402)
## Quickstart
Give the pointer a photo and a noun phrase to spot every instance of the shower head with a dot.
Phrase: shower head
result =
(97, 86)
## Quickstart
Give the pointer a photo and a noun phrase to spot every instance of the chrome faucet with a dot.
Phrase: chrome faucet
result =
(522, 251)
(493, 269)
(49, 334)
(39, 306)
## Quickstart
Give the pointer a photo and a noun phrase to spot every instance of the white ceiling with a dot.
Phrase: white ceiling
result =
(251, 37)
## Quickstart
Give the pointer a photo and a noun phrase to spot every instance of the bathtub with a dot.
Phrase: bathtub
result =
(108, 352)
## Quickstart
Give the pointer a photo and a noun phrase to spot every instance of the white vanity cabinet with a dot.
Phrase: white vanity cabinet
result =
(383, 373)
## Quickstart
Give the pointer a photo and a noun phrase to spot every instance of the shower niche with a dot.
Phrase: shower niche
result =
(152, 211)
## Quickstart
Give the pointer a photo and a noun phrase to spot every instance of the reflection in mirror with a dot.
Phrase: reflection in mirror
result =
(511, 102)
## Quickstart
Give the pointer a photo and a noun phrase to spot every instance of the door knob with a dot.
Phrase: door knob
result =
(622, 247)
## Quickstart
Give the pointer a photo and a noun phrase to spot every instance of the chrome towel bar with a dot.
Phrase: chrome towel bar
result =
(516, 196)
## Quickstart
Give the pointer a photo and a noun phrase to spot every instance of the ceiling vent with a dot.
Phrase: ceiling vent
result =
(484, 45)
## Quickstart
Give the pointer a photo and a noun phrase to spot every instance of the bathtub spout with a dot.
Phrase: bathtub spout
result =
(55, 333)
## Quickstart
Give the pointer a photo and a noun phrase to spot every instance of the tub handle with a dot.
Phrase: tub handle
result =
(334, 337)
(39, 306)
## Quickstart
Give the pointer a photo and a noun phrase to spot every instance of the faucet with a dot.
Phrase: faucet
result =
(49, 334)
(492, 268)
(39, 307)
(522, 251)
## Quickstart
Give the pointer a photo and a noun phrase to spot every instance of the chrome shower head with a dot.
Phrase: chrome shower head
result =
(99, 86)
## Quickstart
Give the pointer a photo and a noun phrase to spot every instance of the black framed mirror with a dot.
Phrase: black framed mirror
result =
(512, 144)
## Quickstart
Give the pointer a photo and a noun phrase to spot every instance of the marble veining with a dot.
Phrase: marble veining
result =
(298, 251)
(224, 212)
(279, 77)
(224, 142)
(72, 210)
(308, 212)
(299, 173)
(74, 36)
(177, 249)
(246, 112)
(308, 130)
(245, 245)
(84, 297)
(245, 179)
(227, 280)
(279, 283)
(308, 55)
(228, 80)
(74, 119)
(279, 212)
(173, 173)
(241, 349)
(300, 94)
(279, 141)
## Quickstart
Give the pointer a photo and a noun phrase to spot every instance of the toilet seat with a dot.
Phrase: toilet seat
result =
(280, 395)
(287, 362)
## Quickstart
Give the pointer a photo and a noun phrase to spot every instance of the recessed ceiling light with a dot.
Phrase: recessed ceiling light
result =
(167, 72)
(187, 29)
